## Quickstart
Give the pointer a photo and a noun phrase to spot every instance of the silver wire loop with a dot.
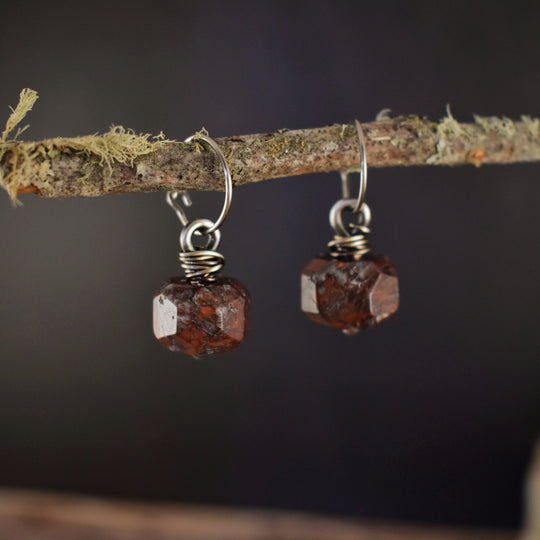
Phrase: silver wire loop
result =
(199, 226)
(346, 193)
(336, 218)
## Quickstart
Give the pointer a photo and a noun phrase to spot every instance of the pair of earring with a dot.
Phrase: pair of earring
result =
(348, 287)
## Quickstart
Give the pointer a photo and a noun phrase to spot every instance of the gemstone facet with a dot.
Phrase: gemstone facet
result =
(201, 318)
(350, 293)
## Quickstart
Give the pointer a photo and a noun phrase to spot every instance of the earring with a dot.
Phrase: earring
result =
(349, 287)
(202, 313)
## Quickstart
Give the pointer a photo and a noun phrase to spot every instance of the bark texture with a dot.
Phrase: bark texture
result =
(56, 168)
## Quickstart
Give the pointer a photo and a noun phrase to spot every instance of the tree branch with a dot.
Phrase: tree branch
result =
(67, 167)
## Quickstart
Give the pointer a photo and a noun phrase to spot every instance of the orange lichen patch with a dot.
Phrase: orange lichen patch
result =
(477, 157)
(27, 189)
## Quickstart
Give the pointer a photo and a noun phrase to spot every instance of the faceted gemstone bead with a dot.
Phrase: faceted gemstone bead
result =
(350, 293)
(201, 318)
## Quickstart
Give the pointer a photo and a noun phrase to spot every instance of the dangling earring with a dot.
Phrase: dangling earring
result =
(202, 313)
(350, 287)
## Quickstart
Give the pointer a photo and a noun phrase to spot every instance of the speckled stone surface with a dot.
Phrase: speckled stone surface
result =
(348, 293)
(201, 319)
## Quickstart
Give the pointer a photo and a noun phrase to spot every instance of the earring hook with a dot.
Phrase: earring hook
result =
(174, 196)
(176, 205)
(363, 173)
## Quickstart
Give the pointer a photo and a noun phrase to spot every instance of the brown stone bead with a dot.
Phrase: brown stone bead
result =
(201, 318)
(350, 293)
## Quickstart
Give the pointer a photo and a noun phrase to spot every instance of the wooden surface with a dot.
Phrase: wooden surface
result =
(40, 516)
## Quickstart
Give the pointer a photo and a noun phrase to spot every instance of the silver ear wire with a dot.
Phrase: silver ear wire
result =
(352, 238)
(226, 173)
(202, 262)
(173, 196)
(346, 192)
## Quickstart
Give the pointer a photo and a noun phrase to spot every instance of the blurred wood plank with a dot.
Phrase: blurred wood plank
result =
(39, 516)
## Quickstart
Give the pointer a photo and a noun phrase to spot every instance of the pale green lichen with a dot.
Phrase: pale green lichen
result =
(503, 126)
(533, 125)
(118, 145)
(383, 116)
(449, 130)
(27, 98)
(446, 129)
(203, 132)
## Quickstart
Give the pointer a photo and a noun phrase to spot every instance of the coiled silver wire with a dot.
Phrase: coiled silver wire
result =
(200, 263)
(350, 245)
(353, 238)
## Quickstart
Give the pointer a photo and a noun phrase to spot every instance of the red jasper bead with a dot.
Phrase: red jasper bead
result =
(350, 293)
(201, 318)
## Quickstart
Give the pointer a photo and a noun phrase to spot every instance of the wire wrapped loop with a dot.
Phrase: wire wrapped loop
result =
(351, 239)
(357, 245)
(200, 262)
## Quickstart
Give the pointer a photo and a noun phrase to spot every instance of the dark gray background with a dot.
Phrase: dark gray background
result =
(429, 417)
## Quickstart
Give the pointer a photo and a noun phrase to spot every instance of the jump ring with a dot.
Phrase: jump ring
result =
(202, 226)
(336, 218)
